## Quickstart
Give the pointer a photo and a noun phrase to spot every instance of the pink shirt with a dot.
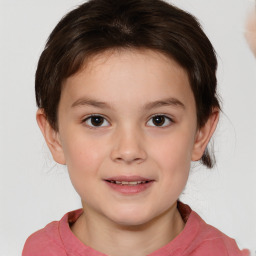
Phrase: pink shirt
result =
(196, 239)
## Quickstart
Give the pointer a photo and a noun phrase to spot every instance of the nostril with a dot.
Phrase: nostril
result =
(128, 150)
(130, 160)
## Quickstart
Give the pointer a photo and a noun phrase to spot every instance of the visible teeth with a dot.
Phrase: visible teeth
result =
(132, 183)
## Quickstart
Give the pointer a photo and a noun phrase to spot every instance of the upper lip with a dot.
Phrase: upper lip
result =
(128, 178)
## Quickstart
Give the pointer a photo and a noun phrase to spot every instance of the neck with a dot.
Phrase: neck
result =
(118, 240)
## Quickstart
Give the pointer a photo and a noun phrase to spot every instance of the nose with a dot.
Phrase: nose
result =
(128, 147)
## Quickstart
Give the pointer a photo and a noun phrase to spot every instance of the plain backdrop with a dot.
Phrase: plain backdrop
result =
(34, 191)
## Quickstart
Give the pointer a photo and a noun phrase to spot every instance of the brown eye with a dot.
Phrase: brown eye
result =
(96, 121)
(159, 120)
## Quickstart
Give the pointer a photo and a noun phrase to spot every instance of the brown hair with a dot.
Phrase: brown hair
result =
(100, 25)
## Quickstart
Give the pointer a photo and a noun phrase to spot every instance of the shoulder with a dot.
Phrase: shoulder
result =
(54, 238)
(44, 242)
(213, 242)
(200, 238)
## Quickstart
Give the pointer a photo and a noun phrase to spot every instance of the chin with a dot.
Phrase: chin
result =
(132, 218)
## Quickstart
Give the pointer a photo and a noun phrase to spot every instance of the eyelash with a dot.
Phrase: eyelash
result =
(166, 118)
(104, 119)
(90, 117)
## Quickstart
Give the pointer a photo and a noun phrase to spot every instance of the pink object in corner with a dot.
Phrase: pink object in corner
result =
(250, 31)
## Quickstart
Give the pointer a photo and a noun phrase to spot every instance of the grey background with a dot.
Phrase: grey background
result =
(35, 191)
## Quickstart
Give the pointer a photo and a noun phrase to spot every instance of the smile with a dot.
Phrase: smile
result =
(129, 183)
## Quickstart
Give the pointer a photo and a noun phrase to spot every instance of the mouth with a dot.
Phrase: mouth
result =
(129, 184)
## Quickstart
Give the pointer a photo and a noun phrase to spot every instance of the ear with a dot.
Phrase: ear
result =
(51, 137)
(204, 135)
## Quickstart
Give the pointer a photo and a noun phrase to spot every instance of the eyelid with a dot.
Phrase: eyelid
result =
(99, 115)
(93, 115)
(162, 115)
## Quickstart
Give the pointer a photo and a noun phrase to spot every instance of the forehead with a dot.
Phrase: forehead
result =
(129, 74)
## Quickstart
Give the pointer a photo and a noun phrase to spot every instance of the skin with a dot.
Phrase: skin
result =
(128, 142)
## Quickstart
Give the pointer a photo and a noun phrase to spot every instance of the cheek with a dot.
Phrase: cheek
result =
(83, 155)
(175, 166)
(173, 157)
(83, 159)
(175, 151)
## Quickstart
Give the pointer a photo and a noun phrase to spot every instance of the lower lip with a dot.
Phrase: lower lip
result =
(132, 189)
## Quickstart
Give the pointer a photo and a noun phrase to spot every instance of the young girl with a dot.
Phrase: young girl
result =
(126, 91)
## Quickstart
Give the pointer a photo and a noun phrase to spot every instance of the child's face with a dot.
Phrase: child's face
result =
(125, 142)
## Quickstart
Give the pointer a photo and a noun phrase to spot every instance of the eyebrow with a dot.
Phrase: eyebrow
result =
(90, 102)
(165, 102)
(99, 104)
